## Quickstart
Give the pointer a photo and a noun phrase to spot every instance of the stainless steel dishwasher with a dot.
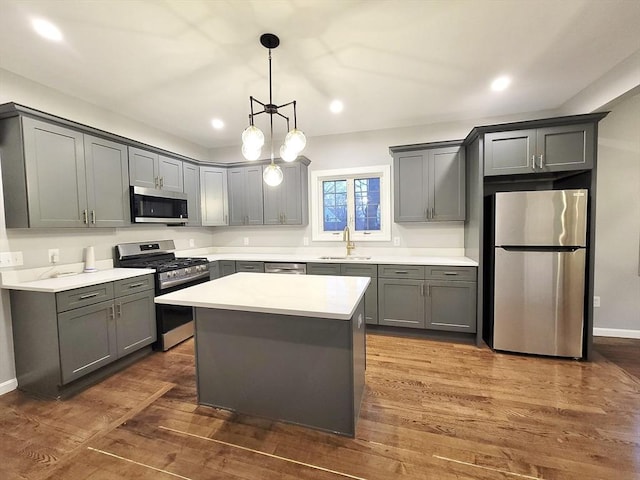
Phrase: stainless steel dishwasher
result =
(287, 268)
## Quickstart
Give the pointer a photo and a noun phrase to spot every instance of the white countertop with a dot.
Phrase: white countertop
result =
(77, 280)
(302, 295)
(373, 259)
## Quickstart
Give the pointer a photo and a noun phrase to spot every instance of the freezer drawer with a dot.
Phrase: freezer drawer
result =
(541, 218)
(539, 302)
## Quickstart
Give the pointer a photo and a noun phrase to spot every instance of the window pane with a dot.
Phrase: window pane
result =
(367, 203)
(334, 205)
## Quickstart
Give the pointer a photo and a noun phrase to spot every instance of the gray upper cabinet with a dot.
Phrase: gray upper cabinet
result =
(429, 183)
(245, 195)
(287, 203)
(191, 178)
(55, 176)
(150, 170)
(541, 150)
(107, 170)
(213, 196)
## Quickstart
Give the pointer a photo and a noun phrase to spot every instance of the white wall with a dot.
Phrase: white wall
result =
(617, 263)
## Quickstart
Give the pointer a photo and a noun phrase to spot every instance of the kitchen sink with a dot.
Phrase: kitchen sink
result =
(350, 257)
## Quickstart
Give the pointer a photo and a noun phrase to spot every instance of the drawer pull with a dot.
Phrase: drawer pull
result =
(401, 271)
(135, 285)
(89, 295)
(450, 273)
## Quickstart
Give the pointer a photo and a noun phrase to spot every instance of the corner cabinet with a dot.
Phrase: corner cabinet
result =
(61, 338)
(533, 151)
(287, 203)
(429, 182)
(214, 208)
(54, 176)
(244, 185)
(150, 170)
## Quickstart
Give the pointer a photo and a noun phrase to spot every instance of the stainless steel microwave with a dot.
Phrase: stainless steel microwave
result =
(149, 205)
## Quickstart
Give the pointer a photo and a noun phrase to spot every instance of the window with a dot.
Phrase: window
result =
(357, 197)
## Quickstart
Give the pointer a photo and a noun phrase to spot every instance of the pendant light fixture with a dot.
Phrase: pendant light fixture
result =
(253, 138)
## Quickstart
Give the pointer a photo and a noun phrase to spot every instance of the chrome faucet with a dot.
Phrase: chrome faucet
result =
(346, 237)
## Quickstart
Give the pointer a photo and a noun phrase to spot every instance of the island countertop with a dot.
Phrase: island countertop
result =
(302, 295)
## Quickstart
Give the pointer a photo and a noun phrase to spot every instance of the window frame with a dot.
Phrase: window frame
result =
(350, 174)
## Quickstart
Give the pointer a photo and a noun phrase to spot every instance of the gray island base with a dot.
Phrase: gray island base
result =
(298, 359)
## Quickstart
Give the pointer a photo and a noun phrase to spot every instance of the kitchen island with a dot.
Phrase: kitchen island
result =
(283, 347)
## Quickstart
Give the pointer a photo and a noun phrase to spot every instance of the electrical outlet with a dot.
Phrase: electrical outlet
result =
(396, 241)
(192, 242)
(53, 255)
(5, 259)
(16, 258)
(596, 301)
(245, 240)
(11, 259)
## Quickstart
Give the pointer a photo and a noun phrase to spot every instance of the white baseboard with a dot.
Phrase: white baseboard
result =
(615, 332)
(8, 386)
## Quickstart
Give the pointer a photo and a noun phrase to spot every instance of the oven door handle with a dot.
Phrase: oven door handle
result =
(179, 281)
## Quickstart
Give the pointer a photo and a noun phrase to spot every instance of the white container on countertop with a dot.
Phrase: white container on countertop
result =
(89, 260)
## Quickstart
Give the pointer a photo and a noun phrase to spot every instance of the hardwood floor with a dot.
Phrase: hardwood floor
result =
(624, 352)
(431, 410)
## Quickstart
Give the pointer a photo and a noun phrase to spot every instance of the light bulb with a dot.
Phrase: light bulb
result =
(295, 140)
(272, 175)
(287, 154)
(252, 138)
(251, 153)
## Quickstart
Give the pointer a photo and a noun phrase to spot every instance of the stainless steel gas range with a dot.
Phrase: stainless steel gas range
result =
(174, 323)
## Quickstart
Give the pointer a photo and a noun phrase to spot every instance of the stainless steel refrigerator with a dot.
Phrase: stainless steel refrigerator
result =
(539, 276)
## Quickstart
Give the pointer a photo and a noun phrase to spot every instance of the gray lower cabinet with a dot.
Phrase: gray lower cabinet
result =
(435, 298)
(213, 196)
(214, 270)
(191, 180)
(286, 204)
(244, 186)
(227, 267)
(429, 183)
(541, 150)
(54, 176)
(323, 269)
(150, 170)
(371, 294)
(62, 337)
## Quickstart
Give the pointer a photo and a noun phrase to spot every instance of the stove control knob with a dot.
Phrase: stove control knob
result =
(187, 270)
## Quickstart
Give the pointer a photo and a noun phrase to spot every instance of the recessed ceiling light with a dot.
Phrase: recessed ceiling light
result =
(500, 83)
(46, 29)
(336, 106)
(217, 123)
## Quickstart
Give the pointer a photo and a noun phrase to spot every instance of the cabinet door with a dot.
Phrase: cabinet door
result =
(135, 322)
(227, 267)
(323, 269)
(213, 194)
(283, 204)
(446, 184)
(273, 203)
(143, 168)
(410, 179)
(400, 302)
(507, 153)
(253, 194)
(214, 270)
(87, 339)
(56, 177)
(567, 147)
(170, 173)
(451, 306)
(191, 176)
(107, 182)
(235, 183)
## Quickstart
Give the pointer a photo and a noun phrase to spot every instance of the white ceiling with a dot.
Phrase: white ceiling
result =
(176, 64)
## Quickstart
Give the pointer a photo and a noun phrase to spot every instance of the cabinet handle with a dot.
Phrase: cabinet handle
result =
(541, 161)
(428, 290)
(85, 219)
(533, 162)
(89, 295)
(401, 271)
(422, 289)
(450, 273)
(225, 219)
(119, 309)
(93, 217)
(156, 182)
(426, 213)
(161, 182)
(112, 313)
(432, 213)
(135, 285)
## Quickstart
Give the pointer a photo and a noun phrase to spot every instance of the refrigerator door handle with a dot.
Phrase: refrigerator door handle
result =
(558, 248)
